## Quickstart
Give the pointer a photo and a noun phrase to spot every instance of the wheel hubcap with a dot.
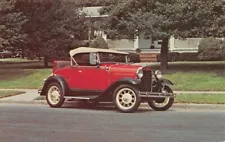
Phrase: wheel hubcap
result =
(126, 98)
(54, 95)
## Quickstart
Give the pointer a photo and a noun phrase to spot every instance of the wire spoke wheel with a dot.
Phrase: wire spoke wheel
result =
(54, 95)
(162, 104)
(126, 98)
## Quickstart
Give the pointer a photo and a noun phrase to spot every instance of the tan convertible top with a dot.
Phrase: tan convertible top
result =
(88, 50)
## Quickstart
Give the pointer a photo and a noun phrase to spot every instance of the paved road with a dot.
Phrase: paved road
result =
(39, 123)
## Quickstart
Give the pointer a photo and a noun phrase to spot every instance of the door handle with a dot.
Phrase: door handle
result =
(79, 71)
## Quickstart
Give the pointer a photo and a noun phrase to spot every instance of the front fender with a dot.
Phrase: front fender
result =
(130, 81)
(55, 78)
(166, 81)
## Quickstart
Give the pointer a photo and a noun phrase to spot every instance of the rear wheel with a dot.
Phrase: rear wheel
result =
(126, 98)
(162, 104)
(55, 95)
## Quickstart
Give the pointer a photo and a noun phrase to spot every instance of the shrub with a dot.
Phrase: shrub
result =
(210, 49)
(223, 50)
(99, 42)
(134, 57)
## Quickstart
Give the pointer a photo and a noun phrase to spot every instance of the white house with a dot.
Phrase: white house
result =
(145, 45)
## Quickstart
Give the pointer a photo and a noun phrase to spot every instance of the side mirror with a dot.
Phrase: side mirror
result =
(93, 59)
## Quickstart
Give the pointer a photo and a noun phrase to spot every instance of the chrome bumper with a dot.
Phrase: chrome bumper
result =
(156, 95)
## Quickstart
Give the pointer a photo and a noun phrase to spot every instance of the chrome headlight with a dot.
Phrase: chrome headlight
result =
(140, 73)
(158, 74)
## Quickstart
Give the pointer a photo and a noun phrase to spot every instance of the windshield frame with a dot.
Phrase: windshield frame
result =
(100, 61)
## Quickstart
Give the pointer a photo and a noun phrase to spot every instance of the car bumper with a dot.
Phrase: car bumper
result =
(156, 95)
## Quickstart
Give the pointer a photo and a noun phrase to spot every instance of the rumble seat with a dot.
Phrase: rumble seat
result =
(60, 64)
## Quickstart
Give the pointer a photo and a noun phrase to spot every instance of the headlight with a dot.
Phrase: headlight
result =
(139, 73)
(158, 74)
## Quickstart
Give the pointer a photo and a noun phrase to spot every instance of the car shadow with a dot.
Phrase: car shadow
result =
(106, 106)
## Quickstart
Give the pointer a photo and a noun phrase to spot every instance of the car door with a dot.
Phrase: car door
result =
(94, 78)
(86, 77)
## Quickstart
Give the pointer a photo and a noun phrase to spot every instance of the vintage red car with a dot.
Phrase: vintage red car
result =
(99, 75)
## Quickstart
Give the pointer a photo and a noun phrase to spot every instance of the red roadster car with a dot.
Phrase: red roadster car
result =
(99, 75)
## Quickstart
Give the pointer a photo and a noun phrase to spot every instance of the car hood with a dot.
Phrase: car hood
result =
(123, 70)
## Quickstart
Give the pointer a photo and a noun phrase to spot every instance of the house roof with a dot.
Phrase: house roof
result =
(88, 50)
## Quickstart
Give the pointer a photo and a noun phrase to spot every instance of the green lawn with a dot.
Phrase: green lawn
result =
(201, 81)
(201, 98)
(16, 60)
(7, 93)
(23, 78)
(193, 76)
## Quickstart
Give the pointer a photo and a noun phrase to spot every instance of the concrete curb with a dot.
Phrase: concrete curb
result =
(143, 105)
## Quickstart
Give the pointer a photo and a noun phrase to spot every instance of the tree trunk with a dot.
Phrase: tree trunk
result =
(45, 61)
(23, 54)
(164, 54)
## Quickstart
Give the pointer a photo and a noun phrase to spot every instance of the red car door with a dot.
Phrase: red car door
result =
(94, 78)
(75, 78)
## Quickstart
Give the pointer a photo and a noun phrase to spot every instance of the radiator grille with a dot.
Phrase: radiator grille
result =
(146, 81)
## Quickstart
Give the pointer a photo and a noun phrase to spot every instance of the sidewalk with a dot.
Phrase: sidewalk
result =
(31, 94)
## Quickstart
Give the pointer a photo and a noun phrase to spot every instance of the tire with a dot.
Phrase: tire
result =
(126, 98)
(155, 105)
(55, 97)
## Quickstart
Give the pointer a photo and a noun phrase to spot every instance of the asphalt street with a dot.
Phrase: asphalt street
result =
(40, 123)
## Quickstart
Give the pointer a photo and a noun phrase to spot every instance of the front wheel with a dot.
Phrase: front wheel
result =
(162, 104)
(126, 98)
(54, 95)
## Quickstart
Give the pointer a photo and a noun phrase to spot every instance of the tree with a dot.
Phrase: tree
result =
(161, 19)
(10, 25)
(52, 25)
(99, 42)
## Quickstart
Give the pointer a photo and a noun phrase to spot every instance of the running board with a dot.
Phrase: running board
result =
(81, 97)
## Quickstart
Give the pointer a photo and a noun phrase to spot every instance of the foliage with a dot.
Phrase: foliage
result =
(134, 57)
(210, 49)
(161, 19)
(79, 43)
(85, 3)
(10, 25)
(99, 42)
(52, 25)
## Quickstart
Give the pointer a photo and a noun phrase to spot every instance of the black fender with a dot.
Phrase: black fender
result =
(165, 82)
(59, 79)
(130, 81)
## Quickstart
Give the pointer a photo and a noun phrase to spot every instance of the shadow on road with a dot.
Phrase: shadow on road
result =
(98, 107)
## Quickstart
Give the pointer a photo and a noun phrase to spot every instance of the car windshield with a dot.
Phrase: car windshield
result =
(112, 57)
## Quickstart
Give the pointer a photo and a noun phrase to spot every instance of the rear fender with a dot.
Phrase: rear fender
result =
(58, 79)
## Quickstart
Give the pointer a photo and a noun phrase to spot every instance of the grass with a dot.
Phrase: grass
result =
(201, 98)
(200, 81)
(23, 78)
(186, 76)
(7, 93)
(16, 60)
